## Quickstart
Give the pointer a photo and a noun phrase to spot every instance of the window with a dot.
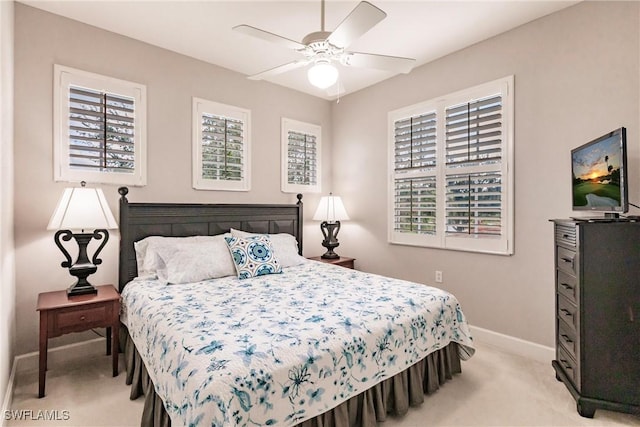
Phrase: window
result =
(99, 128)
(221, 141)
(451, 179)
(300, 157)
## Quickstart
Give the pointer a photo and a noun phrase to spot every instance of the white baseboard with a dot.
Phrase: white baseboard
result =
(514, 345)
(62, 354)
(8, 396)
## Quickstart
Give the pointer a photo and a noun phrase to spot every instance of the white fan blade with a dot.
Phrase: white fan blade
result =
(270, 37)
(280, 69)
(361, 19)
(380, 62)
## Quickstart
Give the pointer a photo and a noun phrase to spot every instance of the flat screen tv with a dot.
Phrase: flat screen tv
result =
(599, 170)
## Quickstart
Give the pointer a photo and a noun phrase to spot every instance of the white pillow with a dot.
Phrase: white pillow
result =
(196, 261)
(147, 259)
(285, 246)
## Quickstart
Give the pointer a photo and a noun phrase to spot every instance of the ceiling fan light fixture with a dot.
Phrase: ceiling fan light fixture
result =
(323, 74)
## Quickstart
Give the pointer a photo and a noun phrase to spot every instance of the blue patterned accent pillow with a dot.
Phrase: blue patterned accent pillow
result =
(253, 256)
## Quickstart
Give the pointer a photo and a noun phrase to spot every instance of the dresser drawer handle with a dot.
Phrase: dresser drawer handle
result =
(566, 286)
(567, 259)
(566, 339)
(82, 318)
(566, 312)
(565, 364)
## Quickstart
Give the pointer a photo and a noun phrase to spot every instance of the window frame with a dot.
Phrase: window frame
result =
(288, 125)
(64, 78)
(201, 106)
(502, 245)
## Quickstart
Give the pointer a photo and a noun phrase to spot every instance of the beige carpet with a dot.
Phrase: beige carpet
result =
(494, 389)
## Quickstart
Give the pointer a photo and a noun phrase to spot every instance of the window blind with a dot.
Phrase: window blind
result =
(473, 132)
(474, 204)
(415, 193)
(415, 205)
(222, 148)
(474, 144)
(101, 131)
(450, 180)
(301, 158)
(415, 142)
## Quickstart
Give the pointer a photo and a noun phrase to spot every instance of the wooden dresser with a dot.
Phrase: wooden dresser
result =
(598, 313)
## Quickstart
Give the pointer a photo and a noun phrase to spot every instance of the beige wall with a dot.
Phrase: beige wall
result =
(576, 78)
(7, 282)
(44, 39)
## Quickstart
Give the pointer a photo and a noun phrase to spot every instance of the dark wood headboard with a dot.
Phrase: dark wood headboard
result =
(140, 220)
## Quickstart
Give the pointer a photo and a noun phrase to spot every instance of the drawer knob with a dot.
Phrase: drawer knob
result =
(566, 338)
(82, 317)
(566, 312)
(566, 286)
(566, 259)
(565, 364)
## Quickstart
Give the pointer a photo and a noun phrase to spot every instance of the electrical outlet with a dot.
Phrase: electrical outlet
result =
(438, 276)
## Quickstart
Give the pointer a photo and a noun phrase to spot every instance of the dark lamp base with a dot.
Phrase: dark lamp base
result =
(330, 255)
(78, 289)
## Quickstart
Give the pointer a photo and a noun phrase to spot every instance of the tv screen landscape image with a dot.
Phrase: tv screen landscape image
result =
(599, 173)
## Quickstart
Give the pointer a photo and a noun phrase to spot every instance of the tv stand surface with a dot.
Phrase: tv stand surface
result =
(605, 219)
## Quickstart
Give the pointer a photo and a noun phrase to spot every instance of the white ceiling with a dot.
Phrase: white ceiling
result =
(420, 29)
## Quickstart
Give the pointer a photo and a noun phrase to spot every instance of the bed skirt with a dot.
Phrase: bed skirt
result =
(392, 396)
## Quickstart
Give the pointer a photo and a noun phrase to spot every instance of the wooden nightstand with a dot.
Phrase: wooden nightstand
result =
(342, 261)
(60, 315)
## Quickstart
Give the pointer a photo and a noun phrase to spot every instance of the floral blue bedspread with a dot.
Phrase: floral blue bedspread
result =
(283, 348)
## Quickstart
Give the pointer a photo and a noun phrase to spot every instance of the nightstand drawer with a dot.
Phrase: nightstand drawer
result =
(80, 319)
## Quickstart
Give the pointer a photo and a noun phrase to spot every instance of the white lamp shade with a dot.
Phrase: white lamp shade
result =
(322, 75)
(82, 209)
(330, 209)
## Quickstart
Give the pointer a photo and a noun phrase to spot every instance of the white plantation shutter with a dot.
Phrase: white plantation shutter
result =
(451, 185)
(221, 140)
(474, 204)
(415, 205)
(300, 156)
(415, 183)
(474, 149)
(101, 131)
(99, 128)
(222, 148)
(301, 159)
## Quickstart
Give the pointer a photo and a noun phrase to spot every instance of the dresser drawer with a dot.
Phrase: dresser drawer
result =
(79, 318)
(566, 260)
(566, 234)
(568, 338)
(569, 366)
(568, 313)
(567, 286)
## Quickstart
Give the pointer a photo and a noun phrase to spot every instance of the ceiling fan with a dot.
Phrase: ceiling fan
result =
(324, 48)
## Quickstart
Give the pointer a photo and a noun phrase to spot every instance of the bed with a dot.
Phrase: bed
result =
(298, 343)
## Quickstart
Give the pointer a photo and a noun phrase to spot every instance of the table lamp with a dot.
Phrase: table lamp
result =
(330, 211)
(80, 209)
